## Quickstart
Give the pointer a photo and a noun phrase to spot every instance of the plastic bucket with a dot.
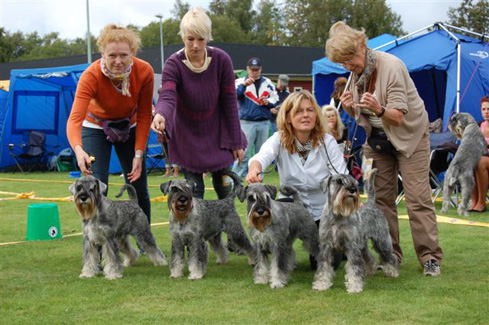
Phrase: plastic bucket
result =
(43, 222)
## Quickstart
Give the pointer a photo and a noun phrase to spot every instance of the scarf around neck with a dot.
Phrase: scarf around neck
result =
(121, 76)
(361, 81)
(303, 149)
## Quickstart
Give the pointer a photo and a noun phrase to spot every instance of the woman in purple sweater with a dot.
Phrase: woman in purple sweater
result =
(197, 107)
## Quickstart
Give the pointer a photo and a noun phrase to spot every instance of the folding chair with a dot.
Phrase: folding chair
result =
(155, 156)
(32, 153)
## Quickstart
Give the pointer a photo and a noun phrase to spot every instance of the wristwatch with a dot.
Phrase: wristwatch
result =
(381, 113)
(138, 155)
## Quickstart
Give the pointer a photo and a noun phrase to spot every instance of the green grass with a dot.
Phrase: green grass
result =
(39, 279)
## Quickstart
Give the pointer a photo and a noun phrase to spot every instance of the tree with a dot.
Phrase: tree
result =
(150, 34)
(180, 9)
(474, 17)
(218, 7)
(268, 28)
(225, 30)
(6, 46)
(240, 10)
(308, 21)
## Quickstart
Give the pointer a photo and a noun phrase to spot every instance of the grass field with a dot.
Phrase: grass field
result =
(39, 281)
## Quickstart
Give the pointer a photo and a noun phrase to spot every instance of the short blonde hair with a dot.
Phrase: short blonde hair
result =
(196, 22)
(289, 107)
(114, 33)
(340, 127)
(343, 42)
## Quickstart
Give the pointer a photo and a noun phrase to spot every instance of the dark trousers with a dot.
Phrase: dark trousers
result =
(95, 142)
(218, 182)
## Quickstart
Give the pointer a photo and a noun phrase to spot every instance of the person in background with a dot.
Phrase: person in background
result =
(112, 108)
(334, 125)
(482, 170)
(197, 108)
(339, 88)
(282, 92)
(384, 101)
(256, 97)
(305, 153)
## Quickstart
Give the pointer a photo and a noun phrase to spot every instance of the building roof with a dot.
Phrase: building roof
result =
(294, 61)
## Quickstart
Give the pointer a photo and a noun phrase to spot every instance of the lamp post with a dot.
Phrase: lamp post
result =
(89, 38)
(161, 41)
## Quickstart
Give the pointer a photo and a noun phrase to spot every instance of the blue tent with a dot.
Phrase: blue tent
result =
(41, 99)
(325, 72)
(3, 106)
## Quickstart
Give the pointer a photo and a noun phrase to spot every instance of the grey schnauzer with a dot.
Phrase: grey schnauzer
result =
(274, 226)
(461, 169)
(108, 224)
(346, 226)
(194, 221)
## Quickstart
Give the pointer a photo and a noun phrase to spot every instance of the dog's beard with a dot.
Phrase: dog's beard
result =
(87, 209)
(181, 211)
(260, 222)
(346, 203)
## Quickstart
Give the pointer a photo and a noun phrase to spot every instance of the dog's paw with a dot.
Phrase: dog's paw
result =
(113, 276)
(176, 275)
(86, 275)
(462, 212)
(354, 290)
(277, 285)
(160, 261)
(390, 271)
(195, 276)
(321, 285)
(444, 209)
(260, 280)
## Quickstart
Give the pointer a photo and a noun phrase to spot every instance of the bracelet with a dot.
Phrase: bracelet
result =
(381, 113)
(138, 156)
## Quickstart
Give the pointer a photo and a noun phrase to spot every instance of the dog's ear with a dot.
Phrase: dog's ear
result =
(272, 190)
(241, 193)
(102, 186)
(164, 187)
(72, 188)
(192, 185)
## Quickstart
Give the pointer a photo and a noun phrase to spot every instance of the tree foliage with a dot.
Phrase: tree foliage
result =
(471, 15)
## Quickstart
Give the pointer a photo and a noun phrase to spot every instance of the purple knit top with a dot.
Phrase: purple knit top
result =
(201, 113)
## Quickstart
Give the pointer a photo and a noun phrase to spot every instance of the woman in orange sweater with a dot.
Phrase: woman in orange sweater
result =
(112, 107)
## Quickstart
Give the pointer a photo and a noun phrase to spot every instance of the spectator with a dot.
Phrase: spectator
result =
(112, 108)
(334, 125)
(385, 102)
(282, 92)
(197, 107)
(256, 97)
(482, 170)
(339, 88)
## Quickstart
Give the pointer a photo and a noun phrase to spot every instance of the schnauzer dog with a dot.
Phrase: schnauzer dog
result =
(274, 226)
(461, 169)
(194, 221)
(346, 226)
(108, 224)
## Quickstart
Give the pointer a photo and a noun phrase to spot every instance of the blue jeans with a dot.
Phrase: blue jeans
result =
(95, 142)
(218, 181)
(256, 133)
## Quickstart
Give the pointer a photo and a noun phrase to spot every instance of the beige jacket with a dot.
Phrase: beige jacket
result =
(394, 89)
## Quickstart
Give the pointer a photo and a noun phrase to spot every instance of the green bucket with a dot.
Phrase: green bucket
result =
(43, 222)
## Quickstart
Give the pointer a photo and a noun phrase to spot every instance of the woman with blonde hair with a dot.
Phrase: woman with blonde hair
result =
(304, 152)
(197, 107)
(334, 125)
(112, 108)
(384, 101)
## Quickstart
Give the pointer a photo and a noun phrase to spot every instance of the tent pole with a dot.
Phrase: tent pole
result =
(464, 30)
(405, 36)
(457, 105)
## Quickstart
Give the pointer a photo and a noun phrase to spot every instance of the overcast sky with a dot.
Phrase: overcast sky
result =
(68, 17)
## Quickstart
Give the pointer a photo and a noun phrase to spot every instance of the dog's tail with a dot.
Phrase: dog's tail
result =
(370, 185)
(236, 180)
(289, 190)
(133, 196)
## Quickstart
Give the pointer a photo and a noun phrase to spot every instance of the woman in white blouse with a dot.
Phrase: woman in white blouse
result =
(304, 152)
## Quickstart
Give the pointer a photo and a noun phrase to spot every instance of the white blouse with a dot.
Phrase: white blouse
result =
(321, 162)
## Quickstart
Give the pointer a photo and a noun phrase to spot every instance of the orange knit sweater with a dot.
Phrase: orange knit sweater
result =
(95, 93)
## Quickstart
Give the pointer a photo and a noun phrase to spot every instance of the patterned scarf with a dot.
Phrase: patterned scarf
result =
(122, 76)
(369, 68)
(303, 149)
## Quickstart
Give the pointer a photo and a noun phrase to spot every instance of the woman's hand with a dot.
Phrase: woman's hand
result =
(83, 160)
(137, 167)
(347, 99)
(238, 154)
(158, 124)
(254, 173)
(369, 101)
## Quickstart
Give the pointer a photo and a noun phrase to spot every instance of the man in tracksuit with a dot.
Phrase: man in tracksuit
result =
(256, 96)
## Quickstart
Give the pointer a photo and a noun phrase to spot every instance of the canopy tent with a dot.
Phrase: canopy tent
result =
(325, 72)
(41, 100)
(450, 70)
(3, 106)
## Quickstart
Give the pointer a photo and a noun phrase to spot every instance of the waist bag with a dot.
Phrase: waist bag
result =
(115, 130)
(379, 143)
